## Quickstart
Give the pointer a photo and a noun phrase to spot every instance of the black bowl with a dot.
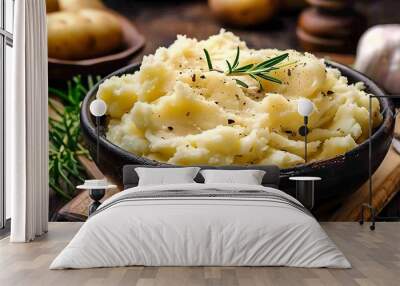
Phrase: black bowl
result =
(340, 175)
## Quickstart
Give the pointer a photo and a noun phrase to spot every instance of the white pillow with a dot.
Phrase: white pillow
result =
(165, 176)
(247, 177)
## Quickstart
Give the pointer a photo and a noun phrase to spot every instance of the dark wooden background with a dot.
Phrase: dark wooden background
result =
(160, 22)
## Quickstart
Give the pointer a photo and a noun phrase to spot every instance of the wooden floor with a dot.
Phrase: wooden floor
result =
(375, 257)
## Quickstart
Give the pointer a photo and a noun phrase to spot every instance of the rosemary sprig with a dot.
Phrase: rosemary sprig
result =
(65, 170)
(255, 71)
(210, 67)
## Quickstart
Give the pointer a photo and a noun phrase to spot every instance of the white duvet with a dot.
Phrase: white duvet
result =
(200, 231)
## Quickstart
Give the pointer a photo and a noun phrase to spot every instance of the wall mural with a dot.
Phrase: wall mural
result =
(241, 95)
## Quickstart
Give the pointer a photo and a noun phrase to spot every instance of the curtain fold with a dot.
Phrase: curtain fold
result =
(27, 124)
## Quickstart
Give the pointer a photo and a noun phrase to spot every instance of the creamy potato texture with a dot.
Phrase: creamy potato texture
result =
(175, 110)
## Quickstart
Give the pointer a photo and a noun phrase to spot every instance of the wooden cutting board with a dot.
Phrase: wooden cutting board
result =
(386, 181)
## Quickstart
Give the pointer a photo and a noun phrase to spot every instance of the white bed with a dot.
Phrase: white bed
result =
(247, 225)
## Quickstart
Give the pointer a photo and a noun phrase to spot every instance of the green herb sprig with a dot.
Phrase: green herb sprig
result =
(65, 169)
(255, 71)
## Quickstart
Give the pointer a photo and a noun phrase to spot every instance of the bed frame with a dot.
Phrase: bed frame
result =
(271, 177)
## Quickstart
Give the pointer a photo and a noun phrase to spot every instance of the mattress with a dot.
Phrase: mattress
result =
(201, 225)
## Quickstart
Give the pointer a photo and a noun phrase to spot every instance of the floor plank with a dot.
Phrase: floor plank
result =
(375, 257)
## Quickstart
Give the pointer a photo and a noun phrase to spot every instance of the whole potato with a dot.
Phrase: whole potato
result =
(51, 6)
(76, 5)
(244, 12)
(85, 34)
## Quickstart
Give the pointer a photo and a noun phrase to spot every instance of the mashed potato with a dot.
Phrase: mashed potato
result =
(175, 110)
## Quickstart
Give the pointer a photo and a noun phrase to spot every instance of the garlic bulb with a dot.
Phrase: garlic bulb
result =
(378, 56)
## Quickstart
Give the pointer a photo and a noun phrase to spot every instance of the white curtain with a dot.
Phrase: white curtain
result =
(26, 124)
